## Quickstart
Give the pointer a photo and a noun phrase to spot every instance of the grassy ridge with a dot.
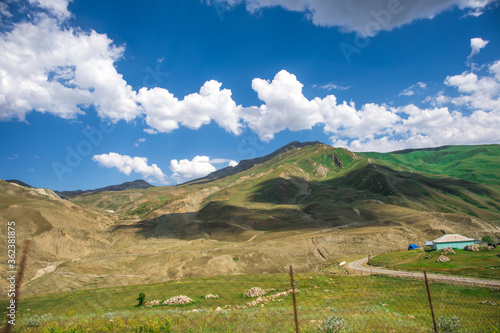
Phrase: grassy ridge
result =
(482, 264)
(367, 304)
(473, 163)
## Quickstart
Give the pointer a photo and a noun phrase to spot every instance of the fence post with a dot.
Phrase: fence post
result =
(294, 301)
(430, 302)
(17, 288)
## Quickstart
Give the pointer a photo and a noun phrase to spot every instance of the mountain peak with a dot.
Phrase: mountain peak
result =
(247, 164)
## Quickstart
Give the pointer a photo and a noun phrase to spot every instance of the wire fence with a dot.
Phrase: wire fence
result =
(339, 300)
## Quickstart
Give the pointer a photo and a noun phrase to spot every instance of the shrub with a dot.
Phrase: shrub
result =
(488, 239)
(447, 324)
(332, 324)
(141, 298)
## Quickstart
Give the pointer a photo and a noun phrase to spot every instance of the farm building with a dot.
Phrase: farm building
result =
(454, 241)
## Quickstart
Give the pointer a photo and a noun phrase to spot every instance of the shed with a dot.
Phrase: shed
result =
(454, 241)
(429, 243)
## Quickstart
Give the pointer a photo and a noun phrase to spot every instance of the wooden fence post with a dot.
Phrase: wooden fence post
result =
(294, 300)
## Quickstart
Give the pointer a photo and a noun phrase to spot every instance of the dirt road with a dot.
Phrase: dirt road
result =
(359, 266)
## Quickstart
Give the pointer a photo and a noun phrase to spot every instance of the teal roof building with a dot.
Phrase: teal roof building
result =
(455, 241)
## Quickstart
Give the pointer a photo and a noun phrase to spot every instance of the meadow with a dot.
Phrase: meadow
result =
(482, 264)
(353, 303)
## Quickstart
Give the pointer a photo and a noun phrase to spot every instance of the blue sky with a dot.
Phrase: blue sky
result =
(96, 93)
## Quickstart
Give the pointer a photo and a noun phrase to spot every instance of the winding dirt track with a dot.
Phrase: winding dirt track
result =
(358, 265)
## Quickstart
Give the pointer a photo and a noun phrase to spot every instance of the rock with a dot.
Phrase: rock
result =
(489, 303)
(152, 303)
(474, 248)
(498, 254)
(209, 296)
(448, 250)
(178, 300)
(489, 248)
(443, 258)
(218, 309)
(254, 292)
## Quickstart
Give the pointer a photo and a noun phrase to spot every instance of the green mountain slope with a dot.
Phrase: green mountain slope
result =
(473, 163)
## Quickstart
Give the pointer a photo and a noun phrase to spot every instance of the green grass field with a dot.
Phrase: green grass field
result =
(366, 304)
(482, 264)
(473, 163)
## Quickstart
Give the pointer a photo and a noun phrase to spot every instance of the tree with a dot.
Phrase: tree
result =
(141, 298)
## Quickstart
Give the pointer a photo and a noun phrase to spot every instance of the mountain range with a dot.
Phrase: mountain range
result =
(307, 204)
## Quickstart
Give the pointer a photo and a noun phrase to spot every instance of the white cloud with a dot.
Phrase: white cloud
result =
(231, 163)
(185, 170)
(367, 17)
(127, 165)
(13, 157)
(139, 141)
(477, 92)
(414, 127)
(413, 89)
(476, 45)
(58, 8)
(4, 11)
(165, 113)
(47, 68)
(331, 86)
(285, 107)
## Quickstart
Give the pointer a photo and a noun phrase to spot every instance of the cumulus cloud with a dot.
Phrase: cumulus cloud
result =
(367, 17)
(415, 127)
(477, 92)
(476, 45)
(285, 107)
(165, 113)
(61, 71)
(185, 170)
(127, 165)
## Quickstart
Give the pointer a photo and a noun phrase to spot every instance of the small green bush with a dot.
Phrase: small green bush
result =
(449, 324)
(488, 239)
(332, 324)
(141, 298)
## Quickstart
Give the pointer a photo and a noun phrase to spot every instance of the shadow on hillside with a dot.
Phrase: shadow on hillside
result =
(220, 221)
(324, 204)
(381, 183)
